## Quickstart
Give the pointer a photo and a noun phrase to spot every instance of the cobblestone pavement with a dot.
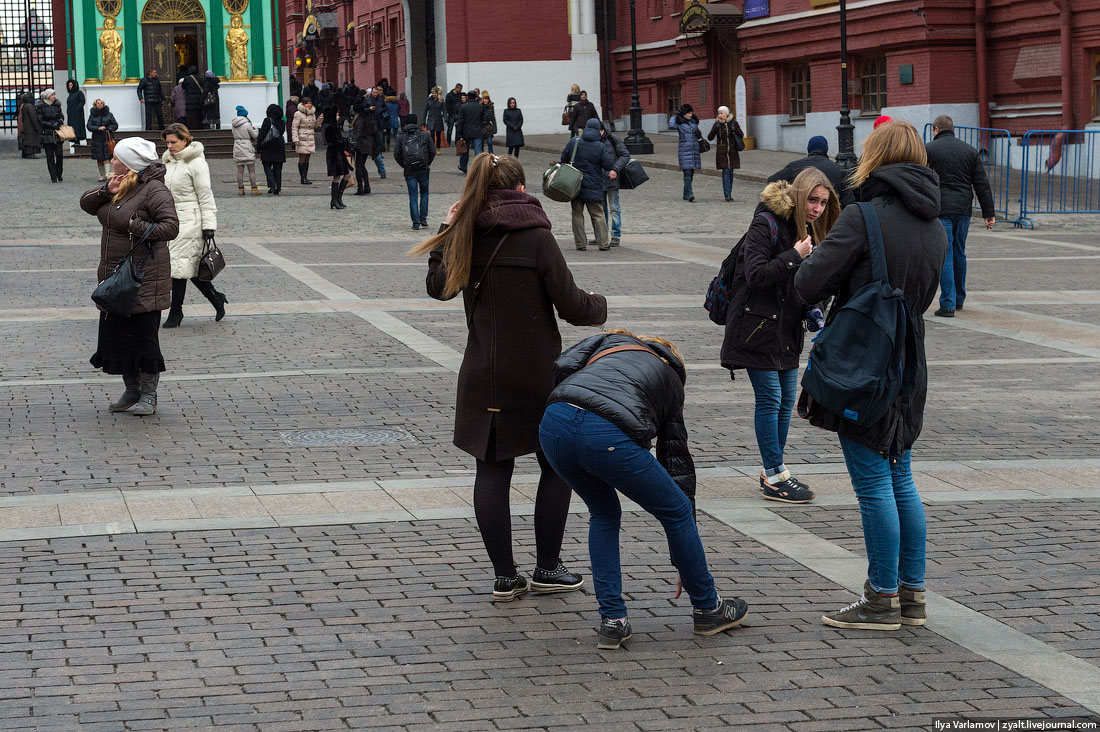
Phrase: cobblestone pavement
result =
(198, 570)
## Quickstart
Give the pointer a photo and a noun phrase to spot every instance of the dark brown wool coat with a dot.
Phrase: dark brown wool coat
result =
(124, 223)
(507, 371)
(725, 153)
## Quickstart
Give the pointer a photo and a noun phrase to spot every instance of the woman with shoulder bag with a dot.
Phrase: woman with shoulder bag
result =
(102, 124)
(729, 133)
(507, 369)
(687, 151)
(133, 198)
(764, 326)
(894, 177)
(273, 148)
(188, 178)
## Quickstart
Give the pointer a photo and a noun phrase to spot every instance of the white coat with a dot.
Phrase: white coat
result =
(188, 179)
(244, 140)
(303, 128)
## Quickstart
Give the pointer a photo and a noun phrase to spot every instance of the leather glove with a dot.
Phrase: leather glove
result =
(207, 234)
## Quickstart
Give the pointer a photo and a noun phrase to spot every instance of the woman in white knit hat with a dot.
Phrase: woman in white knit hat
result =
(133, 198)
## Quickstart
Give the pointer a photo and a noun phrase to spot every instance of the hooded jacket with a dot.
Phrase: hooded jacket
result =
(593, 158)
(74, 108)
(513, 125)
(187, 176)
(621, 155)
(906, 197)
(961, 176)
(764, 325)
(507, 368)
(687, 150)
(245, 135)
(275, 150)
(101, 118)
(642, 395)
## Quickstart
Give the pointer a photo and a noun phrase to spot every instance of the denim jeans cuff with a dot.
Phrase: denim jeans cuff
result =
(780, 474)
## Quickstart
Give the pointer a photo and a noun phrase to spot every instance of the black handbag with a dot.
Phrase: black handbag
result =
(211, 262)
(632, 175)
(117, 293)
(704, 146)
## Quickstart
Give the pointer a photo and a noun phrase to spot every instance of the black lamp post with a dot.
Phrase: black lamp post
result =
(846, 154)
(636, 142)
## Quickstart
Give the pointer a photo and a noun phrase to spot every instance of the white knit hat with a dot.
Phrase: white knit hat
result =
(136, 153)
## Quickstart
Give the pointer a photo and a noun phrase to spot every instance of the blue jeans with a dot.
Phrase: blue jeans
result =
(488, 145)
(893, 517)
(953, 276)
(380, 163)
(595, 458)
(417, 179)
(727, 182)
(775, 394)
(476, 146)
(689, 175)
(611, 212)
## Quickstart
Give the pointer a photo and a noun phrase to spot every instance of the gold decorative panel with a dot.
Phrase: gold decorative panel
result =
(173, 11)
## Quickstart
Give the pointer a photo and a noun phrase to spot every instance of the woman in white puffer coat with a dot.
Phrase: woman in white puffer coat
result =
(303, 131)
(188, 179)
(244, 149)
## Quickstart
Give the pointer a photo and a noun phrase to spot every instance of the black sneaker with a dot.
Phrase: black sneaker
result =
(612, 633)
(506, 589)
(789, 491)
(556, 580)
(944, 313)
(728, 614)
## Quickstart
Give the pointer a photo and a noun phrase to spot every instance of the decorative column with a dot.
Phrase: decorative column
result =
(258, 47)
(131, 47)
(86, 26)
(215, 46)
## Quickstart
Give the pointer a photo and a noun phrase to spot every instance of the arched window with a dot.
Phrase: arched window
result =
(173, 11)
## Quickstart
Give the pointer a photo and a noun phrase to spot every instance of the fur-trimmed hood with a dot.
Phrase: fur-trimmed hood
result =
(777, 197)
(193, 150)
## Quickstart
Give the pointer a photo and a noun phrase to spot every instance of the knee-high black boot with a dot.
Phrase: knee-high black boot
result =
(334, 202)
(303, 170)
(340, 193)
(217, 299)
(175, 313)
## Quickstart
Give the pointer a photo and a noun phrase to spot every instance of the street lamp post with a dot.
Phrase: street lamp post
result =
(636, 142)
(845, 133)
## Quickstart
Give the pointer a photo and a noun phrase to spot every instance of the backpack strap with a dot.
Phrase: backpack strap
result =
(874, 242)
(773, 227)
(618, 349)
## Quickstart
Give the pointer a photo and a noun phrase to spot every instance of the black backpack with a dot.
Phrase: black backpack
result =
(720, 290)
(414, 151)
(856, 367)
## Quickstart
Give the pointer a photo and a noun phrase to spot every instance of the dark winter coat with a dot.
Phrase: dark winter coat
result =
(124, 221)
(961, 176)
(74, 106)
(488, 120)
(725, 151)
(452, 102)
(593, 160)
(149, 91)
(210, 86)
(399, 148)
(513, 124)
(275, 150)
(469, 121)
(366, 134)
(433, 115)
(764, 326)
(380, 111)
(821, 161)
(621, 155)
(906, 197)
(50, 119)
(640, 394)
(192, 92)
(30, 134)
(335, 147)
(687, 150)
(507, 369)
(583, 111)
(101, 118)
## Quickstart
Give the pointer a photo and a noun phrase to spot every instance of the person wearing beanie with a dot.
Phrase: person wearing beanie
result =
(211, 102)
(244, 149)
(594, 160)
(730, 140)
(688, 154)
(881, 121)
(50, 118)
(133, 203)
(414, 151)
(818, 157)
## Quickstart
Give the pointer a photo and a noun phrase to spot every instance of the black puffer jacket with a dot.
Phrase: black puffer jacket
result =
(907, 200)
(638, 393)
(50, 119)
(150, 91)
(819, 160)
(101, 118)
(961, 175)
(764, 327)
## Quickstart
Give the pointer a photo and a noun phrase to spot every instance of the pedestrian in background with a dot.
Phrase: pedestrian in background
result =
(366, 146)
(433, 116)
(187, 176)
(336, 160)
(245, 136)
(179, 102)
(414, 151)
(403, 108)
(468, 128)
(612, 212)
(728, 132)
(593, 159)
(376, 105)
(30, 131)
(764, 333)
(583, 110)
(133, 198)
(571, 100)
(393, 121)
(193, 98)
(291, 108)
(507, 367)
(151, 95)
(894, 177)
(818, 157)
(962, 176)
(513, 124)
(616, 393)
(687, 151)
(50, 119)
(74, 107)
(451, 103)
(488, 122)
(101, 123)
(273, 148)
(303, 131)
(211, 102)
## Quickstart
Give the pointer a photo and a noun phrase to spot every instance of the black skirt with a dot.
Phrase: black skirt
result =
(129, 345)
(337, 161)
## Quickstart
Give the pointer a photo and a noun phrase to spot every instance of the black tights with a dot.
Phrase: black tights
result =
(494, 518)
(513, 150)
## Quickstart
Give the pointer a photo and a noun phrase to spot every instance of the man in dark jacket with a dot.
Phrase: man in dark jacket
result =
(414, 151)
(611, 211)
(450, 105)
(583, 111)
(193, 95)
(961, 177)
(468, 128)
(818, 157)
(592, 158)
(151, 94)
(375, 103)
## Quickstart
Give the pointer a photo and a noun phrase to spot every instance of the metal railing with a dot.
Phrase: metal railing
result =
(994, 147)
(1061, 173)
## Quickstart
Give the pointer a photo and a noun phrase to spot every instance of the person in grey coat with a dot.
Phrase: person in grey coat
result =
(687, 153)
(434, 110)
(611, 211)
(513, 124)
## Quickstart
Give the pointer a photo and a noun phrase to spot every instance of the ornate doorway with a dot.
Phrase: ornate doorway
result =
(173, 34)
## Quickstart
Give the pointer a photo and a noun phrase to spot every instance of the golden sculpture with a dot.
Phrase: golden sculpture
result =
(236, 42)
(111, 42)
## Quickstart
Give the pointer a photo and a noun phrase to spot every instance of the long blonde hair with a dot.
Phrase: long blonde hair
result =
(801, 187)
(897, 142)
(650, 339)
(486, 172)
(126, 185)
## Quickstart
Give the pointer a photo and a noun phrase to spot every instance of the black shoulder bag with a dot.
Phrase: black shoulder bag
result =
(117, 293)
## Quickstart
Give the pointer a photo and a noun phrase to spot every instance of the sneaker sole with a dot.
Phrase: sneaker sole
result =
(859, 626)
(611, 645)
(787, 500)
(508, 596)
(913, 621)
(720, 628)
(544, 589)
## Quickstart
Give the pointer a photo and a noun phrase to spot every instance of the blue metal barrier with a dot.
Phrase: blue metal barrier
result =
(995, 149)
(1061, 173)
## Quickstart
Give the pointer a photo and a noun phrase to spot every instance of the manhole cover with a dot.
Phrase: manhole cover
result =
(346, 436)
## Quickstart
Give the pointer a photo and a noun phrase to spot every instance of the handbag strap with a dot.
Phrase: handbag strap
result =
(484, 273)
(619, 349)
(575, 146)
